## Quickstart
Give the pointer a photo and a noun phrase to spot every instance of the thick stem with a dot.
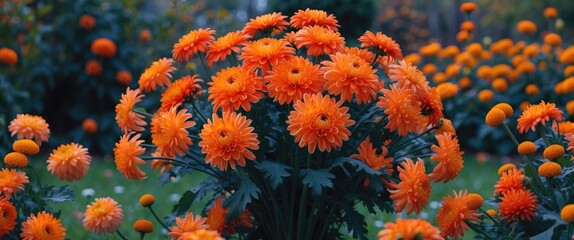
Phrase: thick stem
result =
(552, 194)
(507, 130)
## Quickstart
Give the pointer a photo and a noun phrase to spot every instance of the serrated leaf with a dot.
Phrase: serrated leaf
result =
(247, 192)
(358, 164)
(59, 194)
(355, 223)
(184, 203)
(317, 179)
(201, 190)
(274, 171)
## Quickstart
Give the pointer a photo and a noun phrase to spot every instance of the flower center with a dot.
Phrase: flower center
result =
(322, 121)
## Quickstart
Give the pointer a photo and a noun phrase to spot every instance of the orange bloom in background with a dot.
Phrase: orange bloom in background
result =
(409, 229)
(158, 74)
(268, 23)
(362, 53)
(103, 215)
(90, 125)
(314, 17)
(413, 190)
(104, 47)
(509, 180)
(29, 127)
(447, 90)
(289, 38)
(145, 35)
(42, 226)
(69, 161)
(126, 153)
(550, 12)
(87, 22)
(225, 45)
(187, 224)
(319, 121)
(448, 156)
(349, 75)
(264, 53)
(453, 215)
(463, 36)
(485, 95)
(564, 128)
(235, 87)
(319, 40)
(467, 26)
(526, 27)
(403, 110)
(124, 77)
(381, 44)
(169, 132)
(570, 139)
(468, 7)
(192, 43)
(8, 216)
(11, 181)
(228, 141)
(408, 76)
(553, 39)
(518, 204)
(182, 89)
(292, 78)
(216, 216)
(93, 68)
(431, 106)
(538, 114)
(126, 118)
(8, 56)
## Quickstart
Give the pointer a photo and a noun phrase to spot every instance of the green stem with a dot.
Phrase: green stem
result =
(543, 134)
(537, 181)
(198, 112)
(478, 230)
(507, 130)
(205, 68)
(121, 235)
(142, 235)
(570, 227)
(157, 218)
(37, 179)
(375, 59)
(552, 194)
(302, 206)
(492, 219)
(143, 113)
(366, 135)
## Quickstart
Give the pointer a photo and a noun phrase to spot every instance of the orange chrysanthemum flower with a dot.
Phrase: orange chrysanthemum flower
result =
(124, 77)
(368, 155)
(319, 121)
(509, 180)
(381, 44)
(7, 216)
(264, 53)
(30, 127)
(453, 215)
(228, 140)
(448, 156)
(446, 127)
(126, 118)
(538, 114)
(11, 181)
(169, 132)
(409, 229)
(192, 43)
(69, 161)
(216, 215)
(8, 56)
(180, 90)
(349, 75)
(42, 226)
(102, 216)
(431, 105)
(104, 47)
(189, 223)
(403, 110)
(413, 190)
(408, 76)
(201, 234)
(319, 40)
(126, 155)
(268, 23)
(225, 45)
(93, 68)
(160, 164)
(158, 74)
(290, 79)
(518, 203)
(313, 17)
(362, 53)
(235, 87)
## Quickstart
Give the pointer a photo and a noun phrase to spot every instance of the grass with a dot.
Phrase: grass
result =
(107, 181)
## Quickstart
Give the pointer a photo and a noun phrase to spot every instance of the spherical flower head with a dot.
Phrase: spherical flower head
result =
(87, 22)
(104, 47)
(319, 121)
(267, 23)
(201, 234)
(69, 162)
(143, 226)
(506, 108)
(192, 43)
(314, 17)
(93, 68)
(290, 79)
(225, 45)
(235, 87)
(526, 27)
(264, 53)
(499, 84)
(126, 118)
(467, 26)
(549, 169)
(504, 168)
(454, 214)
(538, 114)
(474, 201)
(570, 107)
(553, 39)
(526, 147)
(381, 44)
(463, 36)
(8, 56)
(145, 35)
(26, 146)
(495, 117)
(126, 154)
(518, 204)
(181, 90)
(567, 213)
(449, 157)
(8, 216)
(158, 74)
(491, 212)
(124, 77)
(187, 224)
(42, 226)
(16, 159)
(403, 110)
(11, 181)
(407, 75)
(89, 125)
(169, 132)
(532, 89)
(30, 127)
(468, 7)
(413, 190)
(102, 216)
(414, 58)
(410, 229)
(147, 200)
(349, 75)
(319, 40)
(550, 13)
(554, 151)
(447, 90)
(509, 180)
(485, 95)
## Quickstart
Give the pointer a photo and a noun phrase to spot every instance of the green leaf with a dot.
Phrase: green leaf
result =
(274, 171)
(317, 179)
(355, 223)
(247, 192)
(201, 190)
(358, 164)
(184, 203)
(59, 194)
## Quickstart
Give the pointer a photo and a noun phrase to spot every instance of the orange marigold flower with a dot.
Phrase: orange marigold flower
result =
(538, 114)
(495, 117)
(413, 190)
(290, 79)
(474, 201)
(314, 17)
(89, 125)
(42, 226)
(126, 118)
(509, 180)
(143, 226)
(176, 93)
(192, 43)
(381, 44)
(319, 121)
(126, 153)
(518, 203)
(447, 90)
(486, 95)
(158, 74)
(409, 229)
(468, 7)
(319, 40)
(228, 140)
(201, 234)
(235, 87)
(550, 12)
(448, 156)
(403, 110)
(225, 45)
(467, 26)
(553, 151)
(8, 56)
(362, 53)
(189, 223)
(11, 181)
(8, 216)
(147, 200)
(102, 216)
(104, 47)
(349, 75)
(26, 146)
(549, 169)
(169, 131)
(124, 77)
(453, 215)
(526, 27)
(30, 127)
(87, 22)
(553, 39)
(264, 53)
(567, 213)
(69, 161)
(408, 76)
(504, 168)
(93, 68)
(268, 23)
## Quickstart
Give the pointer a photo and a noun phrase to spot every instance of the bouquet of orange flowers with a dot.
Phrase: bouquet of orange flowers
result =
(293, 128)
